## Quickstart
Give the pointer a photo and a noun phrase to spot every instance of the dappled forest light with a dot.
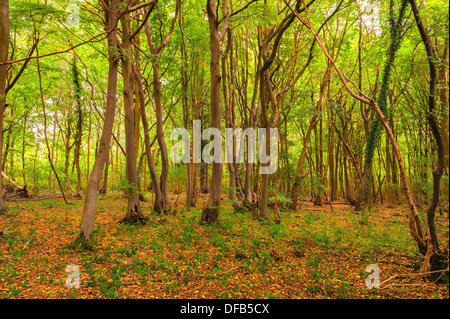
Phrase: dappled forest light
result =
(252, 149)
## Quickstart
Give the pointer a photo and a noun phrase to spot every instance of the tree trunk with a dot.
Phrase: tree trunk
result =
(229, 104)
(4, 45)
(163, 184)
(267, 95)
(134, 212)
(52, 164)
(79, 132)
(155, 50)
(184, 101)
(87, 223)
(431, 116)
(204, 188)
(319, 166)
(443, 79)
(388, 187)
(375, 129)
(104, 187)
(148, 151)
(211, 212)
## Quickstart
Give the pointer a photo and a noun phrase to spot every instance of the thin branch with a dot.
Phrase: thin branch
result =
(137, 7)
(16, 78)
(149, 11)
(91, 40)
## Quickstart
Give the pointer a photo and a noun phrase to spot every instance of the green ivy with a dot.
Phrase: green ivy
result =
(396, 28)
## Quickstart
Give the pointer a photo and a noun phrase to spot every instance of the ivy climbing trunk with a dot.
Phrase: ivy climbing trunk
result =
(79, 127)
(395, 24)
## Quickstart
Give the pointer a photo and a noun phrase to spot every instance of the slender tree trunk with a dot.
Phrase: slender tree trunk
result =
(389, 184)
(4, 45)
(134, 211)
(79, 132)
(184, 101)
(67, 135)
(375, 129)
(87, 223)
(204, 187)
(163, 180)
(264, 192)
(210, 213)
(267, 95)
(431, 116)
(228, 110)
(157, 205)
(88, 161)
(252, 122)
(104, 187)
(319, 166)
(331, 159)
(443, 79)
(348, 190)
(155, 50)
(45, 131)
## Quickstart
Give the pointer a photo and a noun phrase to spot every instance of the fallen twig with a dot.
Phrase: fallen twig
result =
(413, 274)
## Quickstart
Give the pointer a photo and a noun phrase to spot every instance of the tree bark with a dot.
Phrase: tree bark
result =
(52, 164)
(4, 45)
(134, 211)
(155, 50)
(184, 101)
(79, 127)
(443, 79)
(157, 205)
(104, 187)
(267, 95)
(211, 212)
(431, 116)
(87, 223)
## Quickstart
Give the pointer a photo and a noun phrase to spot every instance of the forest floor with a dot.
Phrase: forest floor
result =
(313, 253)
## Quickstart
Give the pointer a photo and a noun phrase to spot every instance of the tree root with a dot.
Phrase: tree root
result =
(210, 215)
(80, 243)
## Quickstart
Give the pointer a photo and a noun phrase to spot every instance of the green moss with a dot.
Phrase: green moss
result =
(80, 243)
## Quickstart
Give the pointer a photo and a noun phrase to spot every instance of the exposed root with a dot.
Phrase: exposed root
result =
(80, 243)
